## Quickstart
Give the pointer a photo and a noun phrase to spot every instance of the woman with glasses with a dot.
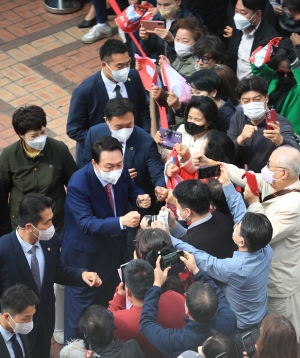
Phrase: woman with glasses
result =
(35, 164)
(283, 76)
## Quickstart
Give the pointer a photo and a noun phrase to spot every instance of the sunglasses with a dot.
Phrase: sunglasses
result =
(204, 59)
(285, 74)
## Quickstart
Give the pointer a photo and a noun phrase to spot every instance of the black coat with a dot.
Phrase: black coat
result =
(264, 31)
(118, 349)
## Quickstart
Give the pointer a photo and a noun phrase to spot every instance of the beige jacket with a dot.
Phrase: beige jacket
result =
(284, 214)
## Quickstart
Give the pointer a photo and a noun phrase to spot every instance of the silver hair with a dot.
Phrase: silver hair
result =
(289, 159)
(76, 349)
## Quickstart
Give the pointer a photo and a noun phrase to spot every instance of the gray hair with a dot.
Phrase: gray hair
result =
(289, 159)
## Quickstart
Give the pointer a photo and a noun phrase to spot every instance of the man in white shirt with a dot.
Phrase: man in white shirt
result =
(16, 320)
(115, 79)
(252, 29)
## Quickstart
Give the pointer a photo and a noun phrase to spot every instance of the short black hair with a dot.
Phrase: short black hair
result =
(207, 80)
(111, 47)
(252, 83)
(202, 302)
(292, 5)
(254, 5)
(219, 343)
(280, 56)
(152, 239)
(210, 45)
(139, 277)
(105, 143)
(97, 326)
(209, 109)
(117, 107)
(17, 298)
(31, 207)
(218, 199)
(219, 147)
(256, 230)
(194, 195)
(28, 118)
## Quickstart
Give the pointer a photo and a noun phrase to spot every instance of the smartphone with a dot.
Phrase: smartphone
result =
(122, 267)
(222, 355)
(270, 118)
(171, 259)
(170, 137)
(249, 344)
(151, 25)
(209, 172)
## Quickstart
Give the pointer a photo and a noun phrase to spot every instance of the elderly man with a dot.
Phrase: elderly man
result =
(279, 186)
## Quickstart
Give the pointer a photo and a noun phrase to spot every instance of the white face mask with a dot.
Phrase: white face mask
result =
(37, 143)
(254, 110)
(241, 22)
(120, 75)
(45, 235)
(178, 212)
(182, 50)
(268, 175)
(22, 328)
(110, 177)
(121, 134)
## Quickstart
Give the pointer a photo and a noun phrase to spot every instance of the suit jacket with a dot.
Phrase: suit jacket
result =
(88, 102)
(264, 31)
(14, 269)
(283, 212)
(93, 237)
(4, 350)
(141, 153)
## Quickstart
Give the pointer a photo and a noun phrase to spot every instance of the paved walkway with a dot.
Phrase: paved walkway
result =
(42, 60)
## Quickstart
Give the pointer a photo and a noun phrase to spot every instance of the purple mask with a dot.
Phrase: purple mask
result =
(268, 176)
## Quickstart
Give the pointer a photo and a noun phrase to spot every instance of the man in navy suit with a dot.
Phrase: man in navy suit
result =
(18, 305)
(95, 226)
(31, 255)
(116, 79)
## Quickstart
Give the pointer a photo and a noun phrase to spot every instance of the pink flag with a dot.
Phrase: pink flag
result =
(175, 82)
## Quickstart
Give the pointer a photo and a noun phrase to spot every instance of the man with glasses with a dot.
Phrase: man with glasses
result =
(255, 141)
(279, 186)
(208, 50)
(245, 275)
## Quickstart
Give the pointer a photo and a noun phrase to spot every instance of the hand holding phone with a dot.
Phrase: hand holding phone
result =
(270, 118)
(209, 171)
(249, 344)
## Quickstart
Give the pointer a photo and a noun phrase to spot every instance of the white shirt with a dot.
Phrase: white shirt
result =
(110, 87)
(104, 183)
(6, 337)
(243, 65)
(189, 141)
(39, 254)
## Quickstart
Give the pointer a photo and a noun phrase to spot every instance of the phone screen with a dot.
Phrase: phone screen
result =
(122, 267)
(209, 172)
(171, 259)
(249, 345)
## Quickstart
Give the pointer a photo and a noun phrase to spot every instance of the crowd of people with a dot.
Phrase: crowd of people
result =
(126, 250)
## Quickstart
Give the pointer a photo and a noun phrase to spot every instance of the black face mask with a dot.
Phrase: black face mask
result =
(193, 129)
(286, 83)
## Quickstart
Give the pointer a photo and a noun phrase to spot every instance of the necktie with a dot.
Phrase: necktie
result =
(118, 91)
(110, 197)
(16, 347)
(35, 267)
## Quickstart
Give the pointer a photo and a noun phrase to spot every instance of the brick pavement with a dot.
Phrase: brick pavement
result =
(42, 60)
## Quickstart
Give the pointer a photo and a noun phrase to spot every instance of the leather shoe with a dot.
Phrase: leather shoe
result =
(87, 23)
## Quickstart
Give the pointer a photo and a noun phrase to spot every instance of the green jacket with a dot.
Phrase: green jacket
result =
(291, 106)
(185, 66)
(46, 174)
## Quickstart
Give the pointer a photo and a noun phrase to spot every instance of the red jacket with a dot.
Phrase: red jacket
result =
(170, 315)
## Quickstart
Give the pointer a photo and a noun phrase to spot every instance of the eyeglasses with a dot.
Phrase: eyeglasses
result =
(204, 59)
(274, 166)
(285, 74)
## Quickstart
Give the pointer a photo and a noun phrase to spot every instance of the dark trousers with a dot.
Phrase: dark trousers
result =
(255, 332)
(78, 299)
(40, 348)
